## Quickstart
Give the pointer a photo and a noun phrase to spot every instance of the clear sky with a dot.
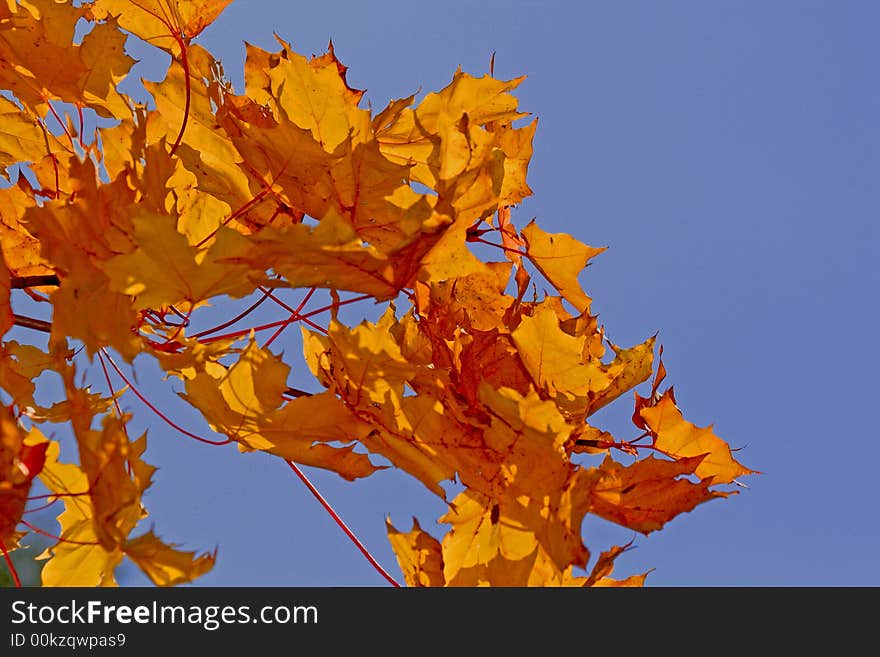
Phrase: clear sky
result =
(728, 154)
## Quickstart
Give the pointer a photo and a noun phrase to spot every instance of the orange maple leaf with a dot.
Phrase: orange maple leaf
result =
(675, 436)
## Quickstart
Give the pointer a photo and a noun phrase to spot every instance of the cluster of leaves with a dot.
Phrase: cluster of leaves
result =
(292, 187)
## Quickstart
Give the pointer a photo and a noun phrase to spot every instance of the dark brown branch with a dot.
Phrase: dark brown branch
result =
(296, 392)
(22, 282)
(31, 323)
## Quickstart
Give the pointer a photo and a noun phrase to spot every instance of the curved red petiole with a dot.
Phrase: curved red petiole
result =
(244, 208)
(153, 408)
(282, 322)
(294, 314)
(354, 539)
(187, 91)
(237, 318)
(43, 532)
(112, 389)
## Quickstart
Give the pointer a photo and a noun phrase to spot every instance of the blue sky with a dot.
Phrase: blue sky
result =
(727, 153)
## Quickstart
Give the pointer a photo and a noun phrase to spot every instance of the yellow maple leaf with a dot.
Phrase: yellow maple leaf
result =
(78, 559)
(245, 402)
(503, 542)
(102, 500)
(85, 289)
(165, 24)
(39, 60)
(675, 436)
(302, 135)
(560, 258)
(356, 181)
(516, 144)
(22, 138)
(207, 152)
(330, 255)
(484, 545)
(164, 564)
(20, 249)
(314, 95)
(449, 257)
(429, 136)
(419, 555)
(165, 269)
(106, 64)
(17, 372)
(562, 365)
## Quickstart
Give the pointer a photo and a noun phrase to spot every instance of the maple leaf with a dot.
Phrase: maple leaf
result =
(647, 494)
(122, 145)
(75, 238)
(294, 184)
(15, 374)
(432, 136)
(474, 300)
(448, 258)
(489, 358)
(504, 543)
(314, 95)
(481, 547)
(164, 564)
(207, 152)
(102, 500)
(165, 269)
(20, 249)
(39, 61)
(245, 402)
(165, 24)
(22, 138)
(600, 574)
(560, 258)
(330, 255)
(34, 43)
(102, 496)
(317, 137)
(557, 364)
(419, 555)
(496, 535)
(77, 559)
(366, 368)
(86, 288)
(356, 180)
(678, 438)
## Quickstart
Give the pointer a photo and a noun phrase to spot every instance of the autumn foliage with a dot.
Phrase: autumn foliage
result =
(128, 220)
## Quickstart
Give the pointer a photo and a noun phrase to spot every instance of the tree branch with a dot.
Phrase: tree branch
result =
(31, 323)
(22, 282)
(296, 392)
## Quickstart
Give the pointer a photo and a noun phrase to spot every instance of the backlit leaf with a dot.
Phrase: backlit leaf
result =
(675, 436)
(161, 23)
(419, 555)
(560, 258)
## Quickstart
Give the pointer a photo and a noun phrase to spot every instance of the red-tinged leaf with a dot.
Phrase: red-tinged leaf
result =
(647, 494)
